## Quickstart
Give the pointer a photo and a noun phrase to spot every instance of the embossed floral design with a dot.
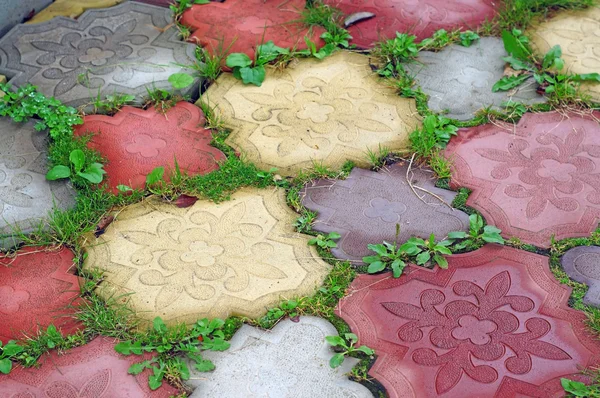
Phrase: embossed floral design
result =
(384, 209)
(444, 327)
(11, 299)
(10, 195)
(583, 35)
(145, 145)
(570, 171)
(253, 25)
(7, 153)
(83, 59)
(95, 387)
(318, 116)
(193, 257)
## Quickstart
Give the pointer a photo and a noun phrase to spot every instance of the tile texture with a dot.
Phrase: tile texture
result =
(70, 9)
(582, 264)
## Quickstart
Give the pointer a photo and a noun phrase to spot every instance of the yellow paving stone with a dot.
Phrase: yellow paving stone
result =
(70, 8)
(326, 111)
(578, 34)
(2, 80)
(238, 257)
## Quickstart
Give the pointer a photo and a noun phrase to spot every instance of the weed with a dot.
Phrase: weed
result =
(377, 159)
(579, 389)
(286, 308)
(325, 241)
(253, 72)
(161, 99)
(398, 50)
(520, 13)
(304, 223)
(7, 352)
(478, 235)
(78, 167)
(346, 344)
(467, 38)
(112, 103)
(439, 40)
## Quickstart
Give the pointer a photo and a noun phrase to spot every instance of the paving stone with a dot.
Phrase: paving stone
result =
(37, 288)
(122, 49)
(534, 179)
(366, 207)
(419, 17)
(70, 9)
(460, 79)
(240, 25)
(582, 264)
(26, 197)
(135, 141)
(13, 12)
(289, 361)
(210, 260)
(165, 3)
(327, 111)
(578, 34)
(93, 370)
(496, 322)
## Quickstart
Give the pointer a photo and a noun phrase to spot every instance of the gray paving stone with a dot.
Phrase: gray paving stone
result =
(366, 207)
(460, 79)
(26, 197)
(119, 49)
(290, 361)
(582, 263)
(13, 12)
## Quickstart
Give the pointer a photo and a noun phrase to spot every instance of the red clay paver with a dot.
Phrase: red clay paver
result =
(494, 324)
(419, 17)
(243, 22)
(37, 288)
(136, 141)
(533, 180)
(94, 370)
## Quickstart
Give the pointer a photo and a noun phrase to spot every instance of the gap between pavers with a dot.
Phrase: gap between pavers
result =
(460, 79)
(239, 257)
(325, 111)
(289, 361)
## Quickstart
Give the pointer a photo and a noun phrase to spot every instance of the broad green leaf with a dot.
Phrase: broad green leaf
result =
(58, 172)
(216, 324)
(155, 381)
(444, 243)
(587, 77)
(269, 51)
(517, 64)
(183, 368)
(137, 368)
(351, 337)
(201, 1)
(155, 175)
(376, 266)
(443, 249)
(159, 325)
(5, 366)
(397, 268)
(124, 188)
(336, 360)
(422, 258)
(366, 350)
(93, 173)
(239, 60)
(509, 82)
(180, 80)
(330, 243)
(11, 349)
(441, 261)
(379, 249)
(254, 75)
(204, 365)
(513, 47)
(551, 55)
(576, 388)
(410, 248)
(334, 235)
(371, 259)
(216, 344)
(77, 157)
(335, 341)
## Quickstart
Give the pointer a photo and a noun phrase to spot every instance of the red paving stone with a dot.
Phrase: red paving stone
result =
(135, 141)
(495, 323)
(93, 370)
(419, 17)
(533, 180)
(244, 21)
(37, 288)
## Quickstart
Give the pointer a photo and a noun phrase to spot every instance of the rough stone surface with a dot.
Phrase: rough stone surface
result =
(13, 12)
(496, 322)
(326, 111)
(419, 17)
(70, 9)
(37, 288)
(582, 264)
(26, 197)
(135, 141)
(460, 79)
(578, 34)
(119, 49)
(366, 207)
(238, 257)
(241, 25)
(289, 361)
(93, 370)
(534, 179)
(165, 3)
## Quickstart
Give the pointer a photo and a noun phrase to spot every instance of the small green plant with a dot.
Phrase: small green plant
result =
(180, 80)
(161, 99)
(286, 308)
(401, 48)
(112, 103)
(325, 241)
(304, 222)
(8, 352)
(427, 142)
(178, 7)
(155, 179)
(467, 38)
(579, 389)
(387, 255)
(253, 72)
(79, 167)
(169, 344)
(438, 40)
(478, 235)
(347, 345)
(426, 250)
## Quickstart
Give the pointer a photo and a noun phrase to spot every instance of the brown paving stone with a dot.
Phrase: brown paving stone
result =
(534, 179)
(94, 370)
(135, 141)
(582, 264)
(366, 207)
(241, 25)
(419, 17)
(326, 111)
(238, 257)
(496, 322)
(578, 34)
(37, 288)
(70, 9)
